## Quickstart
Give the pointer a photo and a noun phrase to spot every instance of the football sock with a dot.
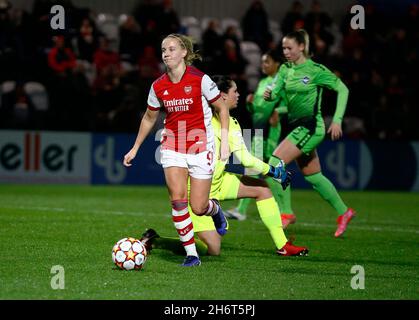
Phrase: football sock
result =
(282, 197)
(327, 191)
(243, 205)
(212, 208)
(184, 226)
(271, 217)
(272, 140)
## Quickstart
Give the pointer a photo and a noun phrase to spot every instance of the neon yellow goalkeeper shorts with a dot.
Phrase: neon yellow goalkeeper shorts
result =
(228, 190)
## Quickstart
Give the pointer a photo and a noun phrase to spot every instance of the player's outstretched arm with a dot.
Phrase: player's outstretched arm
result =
(335, 129)
(249, 161)
(147, 123)
(224, 114)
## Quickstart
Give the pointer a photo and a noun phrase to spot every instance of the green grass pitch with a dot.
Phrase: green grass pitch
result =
(76, 227)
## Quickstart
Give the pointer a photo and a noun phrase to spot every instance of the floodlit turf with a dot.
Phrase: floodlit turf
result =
(76, 227)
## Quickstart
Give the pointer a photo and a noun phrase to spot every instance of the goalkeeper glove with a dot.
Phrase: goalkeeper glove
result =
(280, 174)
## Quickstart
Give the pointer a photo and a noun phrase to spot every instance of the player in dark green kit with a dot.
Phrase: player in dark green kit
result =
(300, 84)
(265, 116)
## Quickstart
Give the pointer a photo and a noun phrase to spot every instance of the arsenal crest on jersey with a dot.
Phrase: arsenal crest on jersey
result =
(188, 89)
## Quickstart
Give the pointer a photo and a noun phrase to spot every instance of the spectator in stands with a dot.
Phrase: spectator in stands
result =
(149, 64)
(26, 39)
(42, 31)
(231, 33)
(17, 108)
(131, 42)
(107, 94)
(294, 18)
(147, 13)
(211, 41)
(61, 58)
(231, 62)
(317, 15)
(105, 56)
(11, 49)
(322, 39)
(352, 40)
(255, 25)
(168, 18)
(87, 40)
(151, 35)
(67, 87)
(317, 22)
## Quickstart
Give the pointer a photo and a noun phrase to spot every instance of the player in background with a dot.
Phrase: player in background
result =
(300, 83)
(230, 186)
(266, 116)
(187, 144)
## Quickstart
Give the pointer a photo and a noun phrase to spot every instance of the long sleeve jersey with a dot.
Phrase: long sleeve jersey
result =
(301, 86)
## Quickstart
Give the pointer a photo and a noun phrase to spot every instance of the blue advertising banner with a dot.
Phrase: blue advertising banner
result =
(108, 152)
(63, 157)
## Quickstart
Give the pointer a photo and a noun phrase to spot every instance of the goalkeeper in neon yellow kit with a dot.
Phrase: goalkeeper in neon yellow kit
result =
(300, 83)
(229, 186)
(266, 116)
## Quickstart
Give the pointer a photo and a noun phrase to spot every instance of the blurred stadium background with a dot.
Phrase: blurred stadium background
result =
(71, 99)
(70, 105)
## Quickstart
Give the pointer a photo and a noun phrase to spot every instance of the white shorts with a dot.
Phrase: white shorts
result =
(200, 166)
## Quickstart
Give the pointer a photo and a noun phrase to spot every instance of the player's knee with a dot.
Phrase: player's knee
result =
(199, 209)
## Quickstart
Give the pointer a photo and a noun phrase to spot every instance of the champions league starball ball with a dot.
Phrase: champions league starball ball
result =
(129, 254)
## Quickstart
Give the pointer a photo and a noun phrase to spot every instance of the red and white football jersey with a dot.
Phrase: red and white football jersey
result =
(187, 127)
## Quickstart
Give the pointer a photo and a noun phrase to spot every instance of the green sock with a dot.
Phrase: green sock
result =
(272, 140)
(243, 205)
(271, 217)
(282, 197)
(327, 191)
(173, 244)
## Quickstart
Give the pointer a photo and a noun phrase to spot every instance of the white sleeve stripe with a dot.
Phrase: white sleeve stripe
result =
(209, 88)
(152, 100)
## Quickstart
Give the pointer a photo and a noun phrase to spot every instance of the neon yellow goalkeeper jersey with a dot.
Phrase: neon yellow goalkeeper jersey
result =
(238, 147)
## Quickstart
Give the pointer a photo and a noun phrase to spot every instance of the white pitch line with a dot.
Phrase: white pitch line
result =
(139, 213)
(133, 213)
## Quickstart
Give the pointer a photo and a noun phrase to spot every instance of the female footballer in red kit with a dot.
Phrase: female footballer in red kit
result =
(187, 145)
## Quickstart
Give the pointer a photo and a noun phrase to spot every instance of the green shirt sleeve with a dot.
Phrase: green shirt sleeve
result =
(277, 91)
(249, 107)
(328, 79)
